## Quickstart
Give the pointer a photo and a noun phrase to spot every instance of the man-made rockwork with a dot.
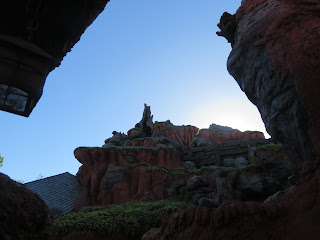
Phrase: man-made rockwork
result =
(293, 215)
(220, 134)
(275, 60)
(166, 161)
(214, 153)
(117, 175)
(23, 214)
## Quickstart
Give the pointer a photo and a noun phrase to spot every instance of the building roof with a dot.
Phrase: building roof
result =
(59, 192)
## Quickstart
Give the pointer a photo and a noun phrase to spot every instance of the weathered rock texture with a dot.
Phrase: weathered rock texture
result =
(155, 161)
(275, 60)
(235, 134)
(213, 153)
(294, 215)
(181, 134)
(23, 214)
(106, 180)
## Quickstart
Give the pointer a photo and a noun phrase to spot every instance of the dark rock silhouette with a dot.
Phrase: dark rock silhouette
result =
(23, 214)
(146, 123)
(275, 62)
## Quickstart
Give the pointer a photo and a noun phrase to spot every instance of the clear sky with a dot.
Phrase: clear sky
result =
(163, 53)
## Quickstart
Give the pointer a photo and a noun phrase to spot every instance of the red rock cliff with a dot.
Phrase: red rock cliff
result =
(275, 60)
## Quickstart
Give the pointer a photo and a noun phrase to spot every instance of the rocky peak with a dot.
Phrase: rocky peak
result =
(146, 123)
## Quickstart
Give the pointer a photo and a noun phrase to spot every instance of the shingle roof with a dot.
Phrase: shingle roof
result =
(59, 192)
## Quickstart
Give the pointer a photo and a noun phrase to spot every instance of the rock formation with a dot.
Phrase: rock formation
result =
(23, 214)
(182, 162)
(275, 60)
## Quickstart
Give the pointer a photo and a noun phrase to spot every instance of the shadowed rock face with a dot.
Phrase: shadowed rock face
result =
(23, 214)
(275, 59)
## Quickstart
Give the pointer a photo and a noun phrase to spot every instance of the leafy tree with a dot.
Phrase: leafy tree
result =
(1, 161)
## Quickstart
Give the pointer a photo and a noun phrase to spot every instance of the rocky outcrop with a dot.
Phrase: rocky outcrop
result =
(149, 162)
(275, 59)
(228, 134)
(205, 153)
(116, 175)
(293, 215)
(146, 123)
(181, 134)
(23, 214)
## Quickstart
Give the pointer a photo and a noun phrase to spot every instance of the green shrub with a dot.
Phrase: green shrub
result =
(251, 132)
(270, 147)
(132, 218)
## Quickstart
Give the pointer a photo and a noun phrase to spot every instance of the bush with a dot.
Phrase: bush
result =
(131, 219)
(270, 147)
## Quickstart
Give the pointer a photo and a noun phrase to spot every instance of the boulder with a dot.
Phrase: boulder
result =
(196, 182)
(171, 192)
(206, 202)
(278, 166)
(189, 165)
(274, 196)
(179, 183)
(200, 142)
(228, 162)
(240, 162)
(23, 214)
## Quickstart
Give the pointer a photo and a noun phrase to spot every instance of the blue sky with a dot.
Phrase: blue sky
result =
(163, 53)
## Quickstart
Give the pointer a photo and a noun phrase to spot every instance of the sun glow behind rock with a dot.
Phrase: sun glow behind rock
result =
(239, 115)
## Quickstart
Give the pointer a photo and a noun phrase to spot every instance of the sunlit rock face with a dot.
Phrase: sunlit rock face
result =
(275, 60)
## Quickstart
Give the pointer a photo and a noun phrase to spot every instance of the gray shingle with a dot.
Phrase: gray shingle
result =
(59, 192)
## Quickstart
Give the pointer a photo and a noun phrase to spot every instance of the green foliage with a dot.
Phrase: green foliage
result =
(270, 147)
(133, 166)
(183, 172)
(171, 171)
(1, 161)
(251, 132)
(186, 196)
(132, 218)
(254, 168)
